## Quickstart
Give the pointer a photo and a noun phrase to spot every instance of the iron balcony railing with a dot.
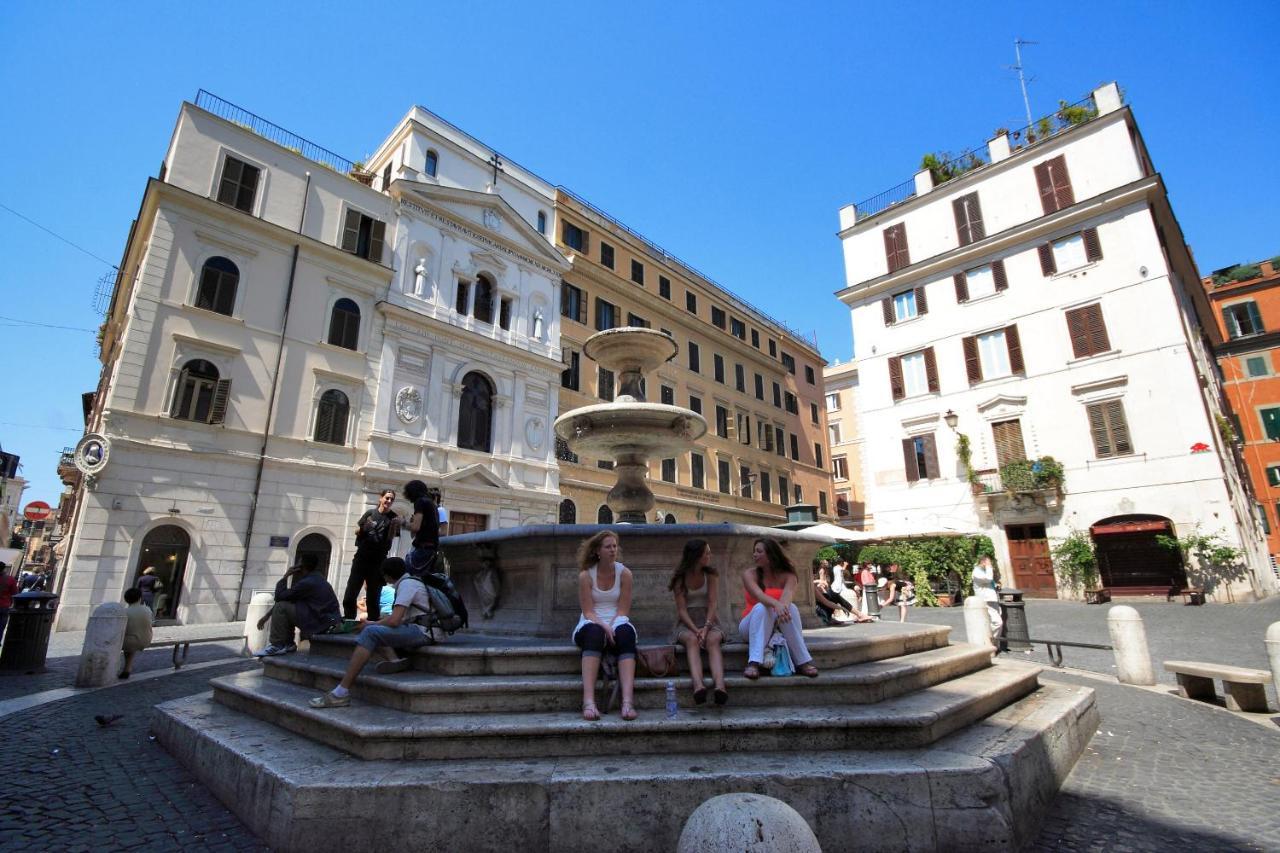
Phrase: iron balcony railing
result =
(273, 132)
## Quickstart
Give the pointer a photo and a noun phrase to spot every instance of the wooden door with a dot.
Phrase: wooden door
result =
(467, 522)
(1030, 563)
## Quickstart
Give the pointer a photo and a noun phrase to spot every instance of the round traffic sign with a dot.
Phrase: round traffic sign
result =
(37, 511)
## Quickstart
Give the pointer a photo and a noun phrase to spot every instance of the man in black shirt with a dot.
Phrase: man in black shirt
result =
(375, 532)
(305, 603)
(425, 527)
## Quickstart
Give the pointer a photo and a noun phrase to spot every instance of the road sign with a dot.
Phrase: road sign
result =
(37, 511)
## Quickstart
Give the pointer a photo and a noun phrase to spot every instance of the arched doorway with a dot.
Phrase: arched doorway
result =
(318, 544)
(165, 549)
(604, 515)
(1130, 559)
(568, 512)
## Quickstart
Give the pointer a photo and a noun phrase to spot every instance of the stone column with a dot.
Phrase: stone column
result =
(1129, 637)
(977, 623)
(103, 645)
(255, 637)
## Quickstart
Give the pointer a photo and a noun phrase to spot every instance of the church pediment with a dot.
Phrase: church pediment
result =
(475, 475)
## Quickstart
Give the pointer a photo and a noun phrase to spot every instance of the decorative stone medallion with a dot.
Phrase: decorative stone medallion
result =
(533, 433)
(408, 404)
(492, 220)
(92, 453)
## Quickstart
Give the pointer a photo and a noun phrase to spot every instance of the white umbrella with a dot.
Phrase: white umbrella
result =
(840, 534)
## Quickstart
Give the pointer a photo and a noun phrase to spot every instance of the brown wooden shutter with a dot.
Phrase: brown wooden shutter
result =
(962, 221)
(895, 247)
(896, 385)
(1119, 427)
(886, 305)
(962, 287)
(1008, 442)
(971, 362)
(1098, 430)
(1014, 343)
(997, 273)
(1062, 192)
(175, 405)
(218, 410)
(376, 241)
(1048, 265)
(1092, 247)
(351, 231)
(922, 304)
(976, 229)
(1044, 182)
(1096, 329)
(968, 216)
(909, 459)
(931, 469)
(1077, 329)
(931, 369)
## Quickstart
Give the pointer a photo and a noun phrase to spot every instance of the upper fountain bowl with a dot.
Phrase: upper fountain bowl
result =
(630, 349)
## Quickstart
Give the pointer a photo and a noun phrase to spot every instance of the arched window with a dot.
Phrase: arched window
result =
(475, 414)
(483, 307)
(433, 160)
(568, 512)
(670, 519)
(331, 417)
(344, 324)
(218, 280)
(605, 515)
(200, 395)
(542, 222)
(318, 544)
(164, 551)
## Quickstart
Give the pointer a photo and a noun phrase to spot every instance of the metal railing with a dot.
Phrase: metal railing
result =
(1054, 648)
(887, 199)
(273, 132)
(989, 481)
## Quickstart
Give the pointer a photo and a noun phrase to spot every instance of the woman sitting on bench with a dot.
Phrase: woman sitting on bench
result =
(770, 587)
(696, 586)
(604, 592)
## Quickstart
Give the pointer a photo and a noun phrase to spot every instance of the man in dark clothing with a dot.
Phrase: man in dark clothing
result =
(308, 606)
(375, 531)
(425, 527)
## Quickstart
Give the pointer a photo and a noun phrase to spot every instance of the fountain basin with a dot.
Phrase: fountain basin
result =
(626, 427)
(630, 349)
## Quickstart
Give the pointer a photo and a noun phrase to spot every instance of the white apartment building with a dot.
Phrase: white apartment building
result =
(844, 443)
(1043, 304)
(290, 334)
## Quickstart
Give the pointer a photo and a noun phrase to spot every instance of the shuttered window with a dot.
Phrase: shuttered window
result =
(980, 281)
(906, 305)
(1109, 429)
(1054, 184)
(912, 374)
(1243, 319)
(200, 394)
(968, 215)
(363, 236)
(1087, 330)
(724, 477)
(604, 383)
(573, 302)
(1273, 475)
(696, 476)
(993, 355)
(1008, 441)
(239, 184)
(920, 457)
(895, 247)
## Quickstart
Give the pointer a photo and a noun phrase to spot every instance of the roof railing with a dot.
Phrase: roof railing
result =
(273, 132)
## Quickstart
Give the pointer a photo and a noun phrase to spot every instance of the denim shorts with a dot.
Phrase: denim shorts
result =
(401, 637)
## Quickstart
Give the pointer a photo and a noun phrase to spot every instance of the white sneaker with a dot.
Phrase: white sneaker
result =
(273, 650)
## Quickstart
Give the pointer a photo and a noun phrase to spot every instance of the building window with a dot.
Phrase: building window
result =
(542, 229)
(745, 480)
(667, 395)
(695, 360)
(773, 349)
(813, 413)
(717, 362)
(920, 454)
(606, 254)
(563, 453)
(840, 467)
(755, 338)
(833, 434)
(504, 314)
(993, 352)
(331, 417)
(833, 401)
(574, 237)
(809, 376)
(344, 324)
(1273, 475)
(386, 178)
(842, 504)
(695, 404)
(795, 450)
(568, 512)
(433, 163)
(779, 434)
(766, 487)
(1007, 436)
(219, 278)
(764, 436)
(482, 307)
(668, 470)
(691, 302)
(722, 422)
(637, 272)
(968, 215)
(239, 184)
(462, 301)
(717, 317)
(200, 395)
(573, 302)
(740, 378)
(817, 454)
(604, 383)
(784, 489)
(759, 387)
(1270, 423)
(724, 471)
(1087, 330)
(822, 502)
(992, 355)
(777, 396)
(913, 374)
(635, 321)
(697, 475)
(1109, 429)
(739, 330)
(363, 236)
(789, 363)
(981, 281)
(1256, 365)
(664, 287)
(895, 247)
(606, 315)
(789, 403)
(569, 377)
(1054, 184)
(744, 428)
(604, 515)
(1243, 319)
(475, 414)
(799, 489)
(606, 464)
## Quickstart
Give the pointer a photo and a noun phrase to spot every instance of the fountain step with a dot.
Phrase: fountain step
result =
(426, 693)
(375, 732)
(476, 654)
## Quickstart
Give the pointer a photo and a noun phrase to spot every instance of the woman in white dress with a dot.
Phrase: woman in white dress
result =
(984, 587)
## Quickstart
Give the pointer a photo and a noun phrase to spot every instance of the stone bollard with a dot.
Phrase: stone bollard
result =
(103, 646)
(260, 605)
(1273, 654)
(746, 823)
(1129, 637)
(977, 622)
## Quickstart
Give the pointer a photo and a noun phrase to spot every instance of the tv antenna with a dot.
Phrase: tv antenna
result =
(1022, 79)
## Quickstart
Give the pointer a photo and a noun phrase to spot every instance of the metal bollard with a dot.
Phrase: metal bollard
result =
(977, 624)
(260, 605)
(1273, 654)
(1014, 634)
(103, 645)
(1129, 637)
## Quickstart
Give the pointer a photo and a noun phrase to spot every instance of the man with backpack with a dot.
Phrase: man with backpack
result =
(375, 532)
(401, 629)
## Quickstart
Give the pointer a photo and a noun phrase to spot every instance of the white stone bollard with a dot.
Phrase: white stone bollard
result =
(260, 605)
(977, 622)
(746, 823)
(1129, 637)
(1273, 653)
(103, 645)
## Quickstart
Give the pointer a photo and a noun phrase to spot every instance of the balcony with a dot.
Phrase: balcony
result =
(68, 473)
(1020, 484)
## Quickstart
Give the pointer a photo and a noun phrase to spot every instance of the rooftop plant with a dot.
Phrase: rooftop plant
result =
(1239, 272)
(943, 166)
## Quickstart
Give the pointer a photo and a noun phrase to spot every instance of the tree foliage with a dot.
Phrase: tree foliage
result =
(930, 560)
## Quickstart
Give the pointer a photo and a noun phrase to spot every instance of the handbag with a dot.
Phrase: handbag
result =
(656, 662)
(782, 666)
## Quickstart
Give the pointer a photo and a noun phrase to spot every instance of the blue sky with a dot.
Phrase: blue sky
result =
(728, 133)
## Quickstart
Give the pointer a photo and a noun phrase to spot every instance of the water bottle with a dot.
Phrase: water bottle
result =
(671, 700)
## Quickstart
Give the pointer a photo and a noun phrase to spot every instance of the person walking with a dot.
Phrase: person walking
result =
(985, 584)
(137, 629)
(375, 532)
(148, 586)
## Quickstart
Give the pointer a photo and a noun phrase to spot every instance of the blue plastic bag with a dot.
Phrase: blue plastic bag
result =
(782, 666)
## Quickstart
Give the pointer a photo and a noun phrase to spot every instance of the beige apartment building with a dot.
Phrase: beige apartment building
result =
(845, 442)
(757, 383)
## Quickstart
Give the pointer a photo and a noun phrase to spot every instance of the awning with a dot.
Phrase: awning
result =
(1130, 527)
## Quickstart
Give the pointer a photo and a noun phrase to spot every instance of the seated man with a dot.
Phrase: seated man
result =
(396, 631)
(308, 606)
(137, 628)
(386, 600)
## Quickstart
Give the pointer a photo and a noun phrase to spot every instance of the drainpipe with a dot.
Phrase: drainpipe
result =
(271, 408)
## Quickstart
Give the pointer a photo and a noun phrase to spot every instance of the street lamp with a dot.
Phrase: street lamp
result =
(951, 419)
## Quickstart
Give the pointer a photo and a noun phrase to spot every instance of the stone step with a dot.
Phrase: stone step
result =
(374, 732)
(476, 654)
(427, 693)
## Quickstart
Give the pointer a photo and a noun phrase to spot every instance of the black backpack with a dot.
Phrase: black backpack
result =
(448, 611)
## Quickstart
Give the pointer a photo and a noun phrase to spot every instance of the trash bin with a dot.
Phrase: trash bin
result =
(1014, 634)
(26, 642)
(871, 596)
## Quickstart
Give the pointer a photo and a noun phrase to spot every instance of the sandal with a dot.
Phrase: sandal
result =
(722, 696)
(628, 711)
(808, 671)
(590, 712)
(700, 696)
(752, 671)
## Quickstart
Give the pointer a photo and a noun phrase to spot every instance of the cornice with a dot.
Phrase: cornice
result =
(440, 217)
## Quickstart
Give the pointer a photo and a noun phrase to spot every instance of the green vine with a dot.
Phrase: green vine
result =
(1075, 561)
(1031, 475)
(1212, 551)
(1225, 429)
(964, 452)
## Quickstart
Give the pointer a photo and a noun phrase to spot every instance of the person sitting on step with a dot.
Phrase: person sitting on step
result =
(308, 605)
(826, 600)
(770, 586)
(696, 585)
(397, 630)
(604, 592)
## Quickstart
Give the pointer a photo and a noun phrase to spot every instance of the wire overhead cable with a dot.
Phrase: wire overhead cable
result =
(53, 233)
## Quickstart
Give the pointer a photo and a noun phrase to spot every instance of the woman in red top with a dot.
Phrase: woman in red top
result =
(770, 587)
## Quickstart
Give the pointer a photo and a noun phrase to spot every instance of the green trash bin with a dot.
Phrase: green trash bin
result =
(26, 642)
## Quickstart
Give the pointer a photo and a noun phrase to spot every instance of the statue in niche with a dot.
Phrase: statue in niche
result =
(537, 324)
(488, 583)
(420, 277)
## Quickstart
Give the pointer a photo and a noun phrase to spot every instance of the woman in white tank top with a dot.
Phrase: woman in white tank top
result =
(604, 592)
(695, 584)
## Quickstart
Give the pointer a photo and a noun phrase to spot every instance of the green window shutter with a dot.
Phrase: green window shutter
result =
(1271, 423)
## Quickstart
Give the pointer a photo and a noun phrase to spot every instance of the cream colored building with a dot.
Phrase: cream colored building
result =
(844, 437)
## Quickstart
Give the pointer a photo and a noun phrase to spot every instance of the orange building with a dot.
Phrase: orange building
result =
(1246, 303)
